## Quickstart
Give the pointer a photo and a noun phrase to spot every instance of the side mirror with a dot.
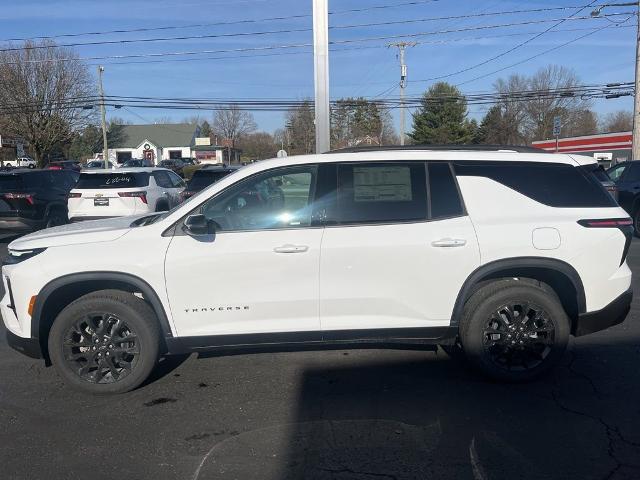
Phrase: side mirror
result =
(198, 225)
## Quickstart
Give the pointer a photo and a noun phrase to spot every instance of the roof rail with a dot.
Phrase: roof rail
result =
(458, 147)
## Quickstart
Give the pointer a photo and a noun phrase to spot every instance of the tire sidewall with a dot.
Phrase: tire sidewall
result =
(473, 336)
(147, 337)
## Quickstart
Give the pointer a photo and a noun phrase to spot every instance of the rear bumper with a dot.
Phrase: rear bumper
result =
(27, 346)
(19, 224)
(611, 315)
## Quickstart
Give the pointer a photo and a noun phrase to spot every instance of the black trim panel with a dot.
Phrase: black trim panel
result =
(513, 264)
(27, 346)
(365, 338)
(146, 289)
(612, 314)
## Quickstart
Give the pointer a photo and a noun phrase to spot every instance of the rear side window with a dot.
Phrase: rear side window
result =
(10, 182)
(162, 179)
(378, 192)
(443, 191)
(113, 180)
(552, 184)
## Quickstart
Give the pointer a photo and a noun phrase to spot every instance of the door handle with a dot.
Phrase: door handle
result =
(291, 248)
(449, 242)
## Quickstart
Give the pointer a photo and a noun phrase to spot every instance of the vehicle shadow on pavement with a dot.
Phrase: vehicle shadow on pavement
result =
(433, 417)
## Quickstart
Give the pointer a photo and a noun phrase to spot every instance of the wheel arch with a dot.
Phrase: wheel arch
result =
(58, 293)
(559, 275)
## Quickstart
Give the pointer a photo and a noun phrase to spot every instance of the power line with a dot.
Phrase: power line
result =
(537, 55)
(346, 49)
(215, 24)
(262, 104)
(281, 31)
(300, 45)
(512, 49)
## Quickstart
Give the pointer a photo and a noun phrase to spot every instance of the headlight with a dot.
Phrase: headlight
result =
(17, 256)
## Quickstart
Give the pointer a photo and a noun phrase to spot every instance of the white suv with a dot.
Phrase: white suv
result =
(125, 191)
(501, 255)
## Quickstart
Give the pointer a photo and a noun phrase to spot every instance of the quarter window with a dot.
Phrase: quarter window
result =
(443, 191)
(380, 193)
(162, 179)
(276, 199)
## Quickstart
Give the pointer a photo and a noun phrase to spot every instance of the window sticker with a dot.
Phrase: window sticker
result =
(382, 184)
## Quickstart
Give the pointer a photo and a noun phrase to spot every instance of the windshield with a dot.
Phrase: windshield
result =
(113, 180)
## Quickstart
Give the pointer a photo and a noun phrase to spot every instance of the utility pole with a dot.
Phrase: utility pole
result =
(635, 146)
(321, 71)
(401, 46)
(105, 149)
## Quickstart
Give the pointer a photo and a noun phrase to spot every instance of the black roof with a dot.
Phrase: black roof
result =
(458, 147)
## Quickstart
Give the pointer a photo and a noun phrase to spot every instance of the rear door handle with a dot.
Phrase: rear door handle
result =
(291, 248)
(449, 242)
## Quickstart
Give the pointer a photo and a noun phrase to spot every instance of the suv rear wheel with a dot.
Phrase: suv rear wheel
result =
(514, 330)
(105, 342)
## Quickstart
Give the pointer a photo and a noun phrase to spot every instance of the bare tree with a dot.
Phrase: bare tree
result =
(43, 90)
(258, 146)
(620, 121)
(232, 123)
(542, 109)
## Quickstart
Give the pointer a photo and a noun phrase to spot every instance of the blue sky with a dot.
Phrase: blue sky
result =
(606, 56)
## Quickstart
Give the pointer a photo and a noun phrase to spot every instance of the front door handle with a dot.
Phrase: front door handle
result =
(449, 242)
(291, 248)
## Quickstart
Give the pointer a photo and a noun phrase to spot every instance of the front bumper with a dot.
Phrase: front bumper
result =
(27, 346)
(612, 314)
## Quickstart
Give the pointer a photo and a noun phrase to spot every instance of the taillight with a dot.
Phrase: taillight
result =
(606, 222)
(625, 225)
(74, 195)
(26, 196)
(141, 195)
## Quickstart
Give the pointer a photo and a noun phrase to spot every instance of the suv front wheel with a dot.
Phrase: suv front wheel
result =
(105, 342)
(514, 330)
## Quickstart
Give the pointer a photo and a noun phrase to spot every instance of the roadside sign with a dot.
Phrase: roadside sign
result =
(556, 126)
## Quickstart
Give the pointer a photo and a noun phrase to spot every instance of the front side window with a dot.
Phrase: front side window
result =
(616, 172)
(277, 199)
(176, 181)
(633, 173)
(381, 192)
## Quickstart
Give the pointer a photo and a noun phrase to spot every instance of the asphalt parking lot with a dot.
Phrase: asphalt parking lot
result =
(339, 414)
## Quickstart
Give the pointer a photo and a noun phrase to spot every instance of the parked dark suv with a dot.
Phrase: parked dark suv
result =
(626, 176)
(206, 176)
(34, 199)
(174, 164)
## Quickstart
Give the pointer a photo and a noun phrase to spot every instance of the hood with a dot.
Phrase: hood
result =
(91, 231)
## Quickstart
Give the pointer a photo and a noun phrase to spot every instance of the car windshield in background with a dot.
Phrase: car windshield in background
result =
(113, 180)
(203, 178)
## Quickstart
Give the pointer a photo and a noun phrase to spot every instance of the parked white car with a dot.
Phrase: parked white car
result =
(21, 162)
(125, 191)
(499, 255)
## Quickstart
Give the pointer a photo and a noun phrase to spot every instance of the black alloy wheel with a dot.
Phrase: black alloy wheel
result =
(101, 348)
(518, 336)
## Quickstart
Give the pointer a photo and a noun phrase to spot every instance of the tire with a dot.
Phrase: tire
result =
(162, 206)
(500, 344)
(98, 360)
(55, 219)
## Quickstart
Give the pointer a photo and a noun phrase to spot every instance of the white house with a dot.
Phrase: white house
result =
(153, 142)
